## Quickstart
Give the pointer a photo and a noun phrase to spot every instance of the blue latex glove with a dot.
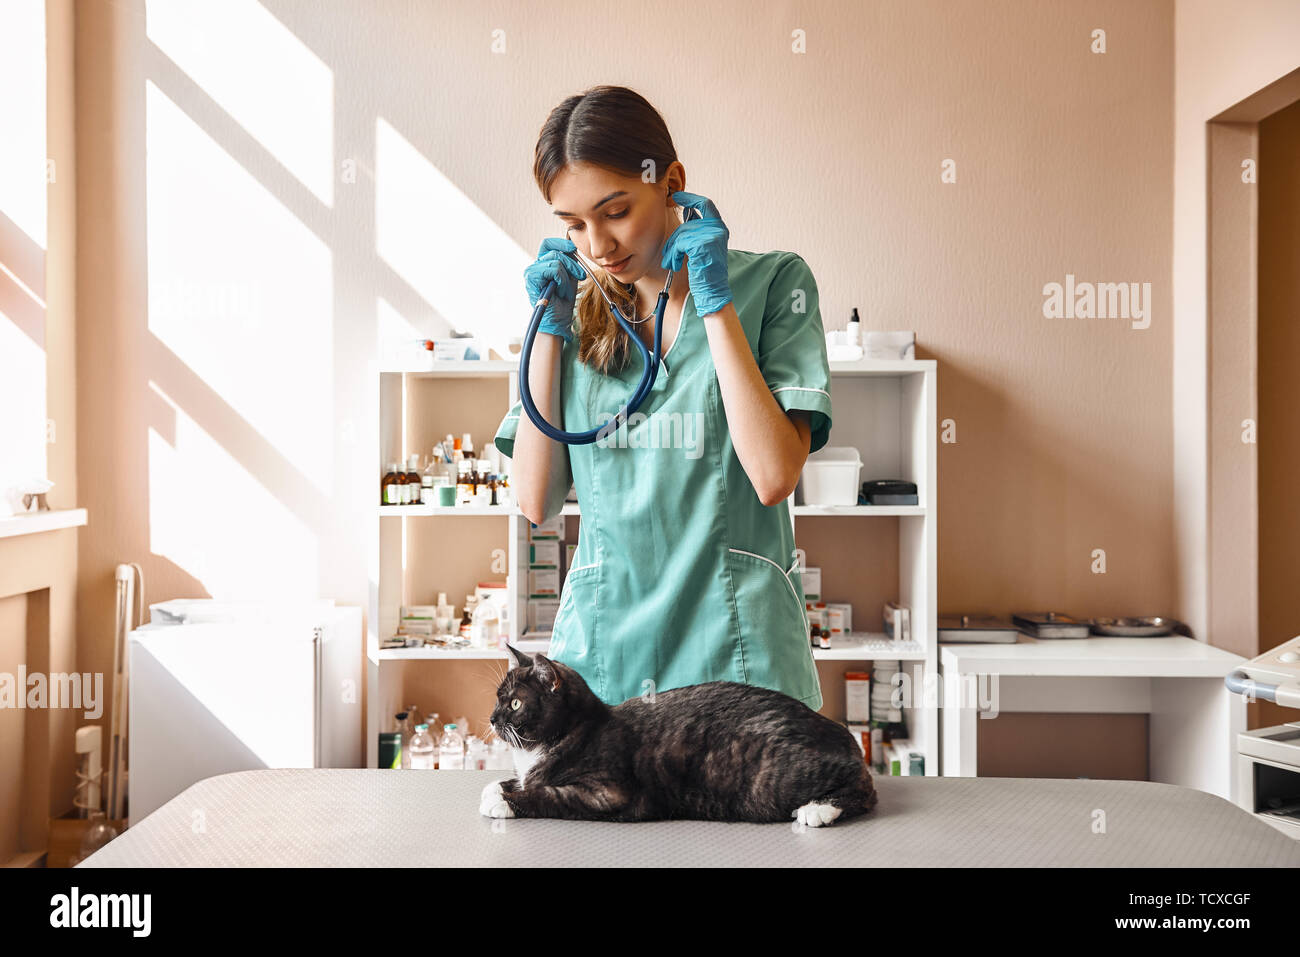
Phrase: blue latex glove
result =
(553, 263)
(704, 242)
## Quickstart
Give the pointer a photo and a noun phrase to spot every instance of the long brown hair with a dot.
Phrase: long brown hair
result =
(617, 129)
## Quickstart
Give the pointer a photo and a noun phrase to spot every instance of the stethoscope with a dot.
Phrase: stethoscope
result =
(649, 359)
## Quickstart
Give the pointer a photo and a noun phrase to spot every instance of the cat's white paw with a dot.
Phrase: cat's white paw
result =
(816, 814)
(491, 803)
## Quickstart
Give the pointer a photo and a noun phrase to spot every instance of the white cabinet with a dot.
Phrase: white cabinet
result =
(868, 554)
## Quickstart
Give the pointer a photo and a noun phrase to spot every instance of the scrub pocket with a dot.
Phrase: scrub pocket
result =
(573, 636)
(773, 625)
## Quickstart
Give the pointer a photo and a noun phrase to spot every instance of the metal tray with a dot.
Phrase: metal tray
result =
(1133, 627)
(1050, 625)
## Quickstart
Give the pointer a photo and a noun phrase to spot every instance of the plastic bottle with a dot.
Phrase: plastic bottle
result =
(434, 467)
(485, 624)
(855, 328)
(451, 752)
(476, 755)
(446, 618)
(503, 626)
(500, 760)
(421, 749)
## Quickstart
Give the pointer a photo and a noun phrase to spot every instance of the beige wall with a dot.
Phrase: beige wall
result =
(1224, 53)
(1279, 350)
(39, 616)
(1064, 165)
(1062, 160)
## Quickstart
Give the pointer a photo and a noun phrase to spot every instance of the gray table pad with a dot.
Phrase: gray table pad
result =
(356, 817)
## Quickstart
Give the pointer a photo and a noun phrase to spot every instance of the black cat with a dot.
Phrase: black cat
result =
(720, 751)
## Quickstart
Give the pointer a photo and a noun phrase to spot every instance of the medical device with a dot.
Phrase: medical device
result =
(1273, 676)
(1268, 759)
(649, 359)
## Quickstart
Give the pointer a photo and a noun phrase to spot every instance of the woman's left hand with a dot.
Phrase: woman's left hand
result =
(703, 242)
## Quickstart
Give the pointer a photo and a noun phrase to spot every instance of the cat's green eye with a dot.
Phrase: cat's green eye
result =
(516, 704)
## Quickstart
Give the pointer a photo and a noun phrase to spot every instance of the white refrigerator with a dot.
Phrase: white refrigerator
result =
(220, 686)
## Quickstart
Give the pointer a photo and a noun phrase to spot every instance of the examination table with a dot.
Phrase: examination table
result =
(354, 817)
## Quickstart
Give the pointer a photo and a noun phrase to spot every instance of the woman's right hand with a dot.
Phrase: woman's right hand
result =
(555, 262)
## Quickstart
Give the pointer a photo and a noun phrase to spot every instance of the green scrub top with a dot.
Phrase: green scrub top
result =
(681, 574)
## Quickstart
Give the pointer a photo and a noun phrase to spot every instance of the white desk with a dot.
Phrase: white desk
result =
(1176, 680)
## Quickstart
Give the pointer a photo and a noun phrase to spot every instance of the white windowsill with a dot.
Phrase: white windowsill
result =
(29, 523)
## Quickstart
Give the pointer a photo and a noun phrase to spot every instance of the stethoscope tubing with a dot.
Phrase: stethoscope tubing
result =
(649, 359)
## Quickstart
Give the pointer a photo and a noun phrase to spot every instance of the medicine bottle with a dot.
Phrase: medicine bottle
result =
(388, 486)
(464, 483)
(413, 480)
(399, 485)
(467, 621)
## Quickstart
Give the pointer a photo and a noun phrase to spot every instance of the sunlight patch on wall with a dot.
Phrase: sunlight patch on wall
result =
(22, 418)
(217, 522)
(22, 117)
(240, 290)
(260, 73)
(445, 247)
(23, 177)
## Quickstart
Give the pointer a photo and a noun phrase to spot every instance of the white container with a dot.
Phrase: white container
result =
(451, 751)
(831, 476)
(421, 749)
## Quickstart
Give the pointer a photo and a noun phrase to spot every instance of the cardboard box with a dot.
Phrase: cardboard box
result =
(541, 614)
(544, 583)
(845, 617)
(857, 696)
(544, 554)
(812, 583)
(897, 620)
(551, 530)
(816, 613)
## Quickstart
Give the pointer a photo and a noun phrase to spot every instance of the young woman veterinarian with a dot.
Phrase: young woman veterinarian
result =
(685, 570)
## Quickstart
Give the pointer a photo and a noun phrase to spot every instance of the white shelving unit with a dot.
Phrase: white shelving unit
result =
(885, 408)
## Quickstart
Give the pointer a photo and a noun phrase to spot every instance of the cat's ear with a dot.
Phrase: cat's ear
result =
(546, 671)
(521, 659)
